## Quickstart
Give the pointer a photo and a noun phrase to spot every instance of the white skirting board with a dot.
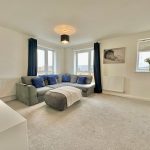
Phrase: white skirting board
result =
(113, 83)
(8, 98)
(126, 95)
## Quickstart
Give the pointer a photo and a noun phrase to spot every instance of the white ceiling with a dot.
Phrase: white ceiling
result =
(93, 19)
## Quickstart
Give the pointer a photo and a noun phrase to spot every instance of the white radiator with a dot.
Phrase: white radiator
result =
(113, 83)
(8, 87)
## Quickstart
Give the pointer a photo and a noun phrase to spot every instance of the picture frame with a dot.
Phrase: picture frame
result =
(114, 56)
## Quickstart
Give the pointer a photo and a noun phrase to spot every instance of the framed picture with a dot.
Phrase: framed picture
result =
(114, 56)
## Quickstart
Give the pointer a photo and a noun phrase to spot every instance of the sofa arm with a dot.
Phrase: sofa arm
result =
(89, 90)
(26, 94)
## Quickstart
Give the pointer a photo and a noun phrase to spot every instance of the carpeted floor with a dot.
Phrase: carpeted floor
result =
(99, 122)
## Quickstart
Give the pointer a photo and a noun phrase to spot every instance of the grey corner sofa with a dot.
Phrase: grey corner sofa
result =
(28, 94)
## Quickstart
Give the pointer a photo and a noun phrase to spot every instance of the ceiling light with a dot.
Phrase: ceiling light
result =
(64, 31)
(65, 39)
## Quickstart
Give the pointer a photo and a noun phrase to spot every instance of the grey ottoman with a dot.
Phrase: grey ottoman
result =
(63, 97)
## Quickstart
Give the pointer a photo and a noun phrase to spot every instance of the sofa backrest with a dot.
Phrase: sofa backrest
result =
(27, 79)
(75, 77)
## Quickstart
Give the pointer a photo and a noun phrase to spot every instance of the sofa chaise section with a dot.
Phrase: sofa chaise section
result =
(27, 93)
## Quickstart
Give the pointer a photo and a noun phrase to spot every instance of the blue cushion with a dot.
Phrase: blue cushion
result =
(44, 77)
(66, 78)
(51, 80)
(38, 82)
(81, 80)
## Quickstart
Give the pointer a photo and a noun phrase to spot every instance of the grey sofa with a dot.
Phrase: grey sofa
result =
(30, 95)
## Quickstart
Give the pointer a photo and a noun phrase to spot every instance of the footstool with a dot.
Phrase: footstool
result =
(62, 97)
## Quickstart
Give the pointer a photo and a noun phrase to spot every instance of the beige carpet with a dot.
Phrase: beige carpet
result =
(100, 122)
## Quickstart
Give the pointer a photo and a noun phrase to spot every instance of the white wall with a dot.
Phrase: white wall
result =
(14, 60)
(136, 84)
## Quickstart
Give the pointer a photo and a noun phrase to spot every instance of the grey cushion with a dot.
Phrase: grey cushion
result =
(89, 78)
(74, 78)
(43, 90)
(27, 79)
(59, 80)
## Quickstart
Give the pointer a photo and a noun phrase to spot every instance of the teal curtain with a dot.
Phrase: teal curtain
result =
(32, 57)
(97, 69)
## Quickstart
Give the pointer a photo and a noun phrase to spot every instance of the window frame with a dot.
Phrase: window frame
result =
(138, 69)
(76, 52)
(46, 50)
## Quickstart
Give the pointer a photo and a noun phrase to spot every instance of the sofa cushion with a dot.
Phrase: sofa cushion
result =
(38, 82)
(81, 80)
(66, 78)
(59, 80)
(44, 78)
(89, 78)
(27, 79)
(43, 90)
(74, 78)
(51, 80)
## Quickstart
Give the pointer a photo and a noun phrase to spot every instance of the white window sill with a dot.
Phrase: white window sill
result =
(142, 71)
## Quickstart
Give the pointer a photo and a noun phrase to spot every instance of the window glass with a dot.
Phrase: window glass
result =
(41, 60)
(84, 62)
(45, 59)
(92, 60)
(50, 61)
(142, 64)
(143, 53)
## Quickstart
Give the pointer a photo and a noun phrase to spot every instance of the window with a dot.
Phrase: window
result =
(45, 59)
(84, 62)
(142, 54)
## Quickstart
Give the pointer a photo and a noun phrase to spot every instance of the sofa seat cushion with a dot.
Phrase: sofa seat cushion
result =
(61, 84)
(55, 85)
(43, 90)
(84, 87)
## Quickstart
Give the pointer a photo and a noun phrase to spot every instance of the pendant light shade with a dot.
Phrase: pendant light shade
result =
(65, 39)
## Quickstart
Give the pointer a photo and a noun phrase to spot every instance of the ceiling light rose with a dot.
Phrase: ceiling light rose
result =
(64, 38)
(64, 29)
